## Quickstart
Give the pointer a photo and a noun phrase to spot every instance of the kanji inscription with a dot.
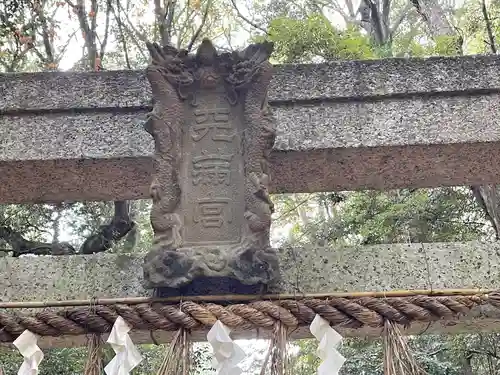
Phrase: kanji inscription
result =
(213, 212)
(215, 122)
(213, 134)
(213, 169)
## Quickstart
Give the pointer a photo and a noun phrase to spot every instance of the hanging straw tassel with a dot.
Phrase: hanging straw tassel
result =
(94, 364)
(177, 360)
(398, 358)
(277, 352)
(177, 357)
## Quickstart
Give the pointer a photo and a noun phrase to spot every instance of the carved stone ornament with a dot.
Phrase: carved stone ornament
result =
(213, 134)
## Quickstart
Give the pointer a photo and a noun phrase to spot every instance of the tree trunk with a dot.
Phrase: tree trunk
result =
(374, 20)
(439, 26)
(435, 18)
(21, 245)
(109, 234)
(488, 198)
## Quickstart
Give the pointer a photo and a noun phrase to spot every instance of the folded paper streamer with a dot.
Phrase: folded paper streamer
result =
(227, 354)
(329, 340)
(26, 343)
(127, 356)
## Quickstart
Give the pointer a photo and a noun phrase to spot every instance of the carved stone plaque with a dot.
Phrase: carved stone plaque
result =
(213, 200)
(213, 134)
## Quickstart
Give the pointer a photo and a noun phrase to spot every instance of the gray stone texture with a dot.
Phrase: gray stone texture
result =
(344, 125)
(338, 80)
(305, 270)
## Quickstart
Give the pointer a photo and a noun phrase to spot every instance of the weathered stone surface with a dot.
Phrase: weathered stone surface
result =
(381, 145)
(304, 128)
(304, 270)
(353, 125)
(213, 134)
(337, 80)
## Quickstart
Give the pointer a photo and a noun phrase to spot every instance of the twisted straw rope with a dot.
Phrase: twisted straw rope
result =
(343, 312)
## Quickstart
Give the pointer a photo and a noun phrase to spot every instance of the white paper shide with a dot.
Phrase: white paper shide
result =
(127, 356)
(26, 343)
(227, 354)
(329, 340)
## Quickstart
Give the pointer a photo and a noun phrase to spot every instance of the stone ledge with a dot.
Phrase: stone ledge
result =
(338, 80)
(305, 270)
(392, 143)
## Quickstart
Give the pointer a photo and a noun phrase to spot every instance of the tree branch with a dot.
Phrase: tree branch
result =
(21, 246)
(246, 19)
(376, 22)
(63, 49)
(92, 48)
(159, 20)
(488, 199)
(122, 36)
(350, 9)
(184, 25)
(169, 21)
(109, 234)
(399, 19)
(141, 36)
(106, 29)
(435, 18)
(488, 353)
(386, 9)
(88, 37)
(49, 50)
(489, 30)
(370, 21)
(197, 33)
(436, 352)
(134, 32)
(348, 18)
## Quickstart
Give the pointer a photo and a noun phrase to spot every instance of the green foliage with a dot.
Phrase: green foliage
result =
(202, 359)
(413, 216)
(420, 215)
(446, 45)
(71, 361)
(67, 361)
(315, 37)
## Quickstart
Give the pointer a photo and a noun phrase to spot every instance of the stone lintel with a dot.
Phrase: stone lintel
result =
(305, 270)
(333, 81)
(348, 125)
(394, 143)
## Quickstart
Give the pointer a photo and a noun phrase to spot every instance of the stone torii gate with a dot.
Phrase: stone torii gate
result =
(339, 126)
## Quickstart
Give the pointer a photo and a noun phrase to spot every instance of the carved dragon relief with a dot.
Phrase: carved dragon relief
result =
(187, 89)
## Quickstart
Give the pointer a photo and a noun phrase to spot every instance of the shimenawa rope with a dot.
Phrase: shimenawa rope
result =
(343, 312)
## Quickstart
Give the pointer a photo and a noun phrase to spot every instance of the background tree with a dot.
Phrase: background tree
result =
(90, 35)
